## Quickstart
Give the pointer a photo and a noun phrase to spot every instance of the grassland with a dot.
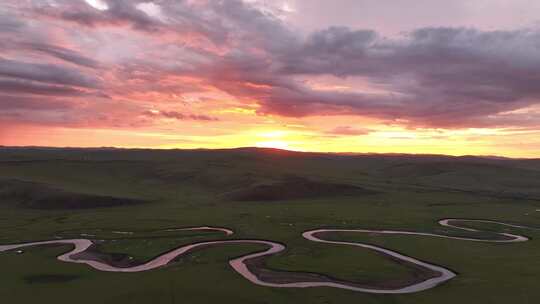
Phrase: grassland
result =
(193, 188)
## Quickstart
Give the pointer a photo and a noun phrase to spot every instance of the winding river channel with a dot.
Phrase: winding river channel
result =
(250, 265)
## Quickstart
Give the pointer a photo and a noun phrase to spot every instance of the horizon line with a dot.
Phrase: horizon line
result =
(493, 156)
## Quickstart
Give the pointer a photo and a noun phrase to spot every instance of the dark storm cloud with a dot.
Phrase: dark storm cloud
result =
(434, 76)
(61, 53)
(48, 73)
(182, 17)
(179, 116)
(26, 46)
(13, 102)
(30, 87)
(119, 12)
(9, 24)
(223, 22)
(323, 52)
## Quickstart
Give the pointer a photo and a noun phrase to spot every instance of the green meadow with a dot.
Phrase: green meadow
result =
(263, 194)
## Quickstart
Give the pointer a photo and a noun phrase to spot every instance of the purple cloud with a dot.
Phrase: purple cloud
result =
(348, 130)
(178, 115)
(429, 77)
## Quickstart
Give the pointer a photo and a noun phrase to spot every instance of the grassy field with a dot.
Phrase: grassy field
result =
(145, 192)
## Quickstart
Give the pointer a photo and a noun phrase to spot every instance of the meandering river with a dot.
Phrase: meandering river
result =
(244, 265)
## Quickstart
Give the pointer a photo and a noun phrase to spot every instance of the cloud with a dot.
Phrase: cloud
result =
(30, 87)
(430, 77)
(348, 130)
(61, 53)
(118, 13)
(178, 116)
(179, 17)
(48, 73)
(11, 102)
(9, 24)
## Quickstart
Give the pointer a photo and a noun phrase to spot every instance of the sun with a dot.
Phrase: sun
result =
(272, 139)
(276, 144)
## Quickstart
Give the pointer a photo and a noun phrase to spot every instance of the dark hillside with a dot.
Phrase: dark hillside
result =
(40, 196)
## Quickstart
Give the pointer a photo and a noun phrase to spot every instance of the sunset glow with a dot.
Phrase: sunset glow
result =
(287, 75)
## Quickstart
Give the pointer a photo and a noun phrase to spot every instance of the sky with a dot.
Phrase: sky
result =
(397, 76)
